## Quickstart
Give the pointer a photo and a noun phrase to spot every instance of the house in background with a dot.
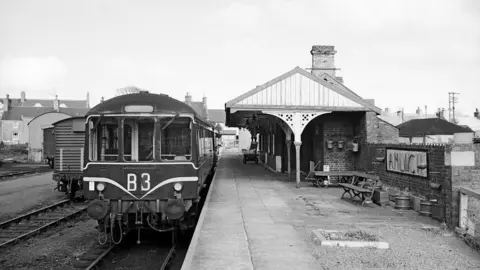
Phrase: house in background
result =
(429, 130)
(472, 122)
(18, 112)
(399, 117)
(200, 107)
(230, 137)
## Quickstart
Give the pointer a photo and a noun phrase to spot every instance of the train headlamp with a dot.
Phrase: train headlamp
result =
(100, 186)
(177, 187)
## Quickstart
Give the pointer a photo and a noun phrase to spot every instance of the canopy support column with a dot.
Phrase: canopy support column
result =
(297, 150)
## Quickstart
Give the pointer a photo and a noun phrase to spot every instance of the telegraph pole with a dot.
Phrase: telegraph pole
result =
(452, 99)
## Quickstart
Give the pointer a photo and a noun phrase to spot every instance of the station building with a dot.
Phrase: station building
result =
(310, 120)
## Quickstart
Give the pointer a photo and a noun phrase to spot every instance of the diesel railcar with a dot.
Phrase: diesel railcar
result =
(147, 157)
(69, 140)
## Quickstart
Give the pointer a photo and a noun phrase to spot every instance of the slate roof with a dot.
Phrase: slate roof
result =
(429, 126)
(17, 102)
(17, 113)
(395, 119)
(216, 115)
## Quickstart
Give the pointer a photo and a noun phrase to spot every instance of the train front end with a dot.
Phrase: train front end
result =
(139, 171)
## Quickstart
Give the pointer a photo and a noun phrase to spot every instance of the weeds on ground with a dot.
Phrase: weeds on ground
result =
(351, 235)
(17, 152)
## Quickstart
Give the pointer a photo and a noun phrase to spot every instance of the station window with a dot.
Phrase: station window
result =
(176, 138)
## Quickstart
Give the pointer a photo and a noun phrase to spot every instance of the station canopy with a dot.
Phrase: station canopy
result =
(295, 91)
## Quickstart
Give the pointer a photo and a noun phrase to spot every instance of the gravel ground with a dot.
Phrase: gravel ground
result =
(420, 250)
(54, 249)
(58, 248)
(412, 245)
(150, 254)
(22, 195)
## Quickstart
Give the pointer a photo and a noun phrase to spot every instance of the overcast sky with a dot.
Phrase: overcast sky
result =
(401, 53)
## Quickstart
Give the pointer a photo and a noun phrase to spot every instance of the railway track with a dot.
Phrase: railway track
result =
(92, 259)
(24, 226)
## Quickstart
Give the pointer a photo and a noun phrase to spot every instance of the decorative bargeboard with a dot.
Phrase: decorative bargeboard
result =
(412, 162)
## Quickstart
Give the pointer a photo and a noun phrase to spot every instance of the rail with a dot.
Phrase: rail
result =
(93, 258)
(27, 225)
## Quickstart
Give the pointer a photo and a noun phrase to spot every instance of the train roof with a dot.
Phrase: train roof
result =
(161, 104)
(69, 119)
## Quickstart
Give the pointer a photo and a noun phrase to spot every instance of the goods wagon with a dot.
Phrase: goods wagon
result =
(69, 146)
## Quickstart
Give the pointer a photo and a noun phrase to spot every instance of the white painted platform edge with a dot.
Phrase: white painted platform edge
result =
(353, 244)
(187, 262)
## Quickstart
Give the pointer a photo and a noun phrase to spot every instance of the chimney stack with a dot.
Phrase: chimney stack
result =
(56, 105)
(418, 111)
(6, 103)
(188, 99)
(22, 96)
(323, 60)
(204, 100)
(476, 114)
(441, 113)
(88, 100)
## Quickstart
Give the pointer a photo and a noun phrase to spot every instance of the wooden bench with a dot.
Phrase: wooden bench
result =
(362, 184)
(318, 176)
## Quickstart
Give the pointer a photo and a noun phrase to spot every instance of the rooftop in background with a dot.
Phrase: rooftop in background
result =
(20, 113)
(199, 107)
(429, 126)
(17, 109)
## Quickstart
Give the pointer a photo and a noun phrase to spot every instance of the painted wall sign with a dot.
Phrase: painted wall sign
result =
(407, 162)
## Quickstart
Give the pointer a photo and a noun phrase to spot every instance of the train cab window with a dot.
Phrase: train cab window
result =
(103, 139)
(176, 139)
(139, 139)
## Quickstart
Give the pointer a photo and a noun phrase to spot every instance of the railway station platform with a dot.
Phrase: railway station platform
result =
(256, 219)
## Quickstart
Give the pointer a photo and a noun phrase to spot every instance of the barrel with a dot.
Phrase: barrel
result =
(402, 202)
(425, 208)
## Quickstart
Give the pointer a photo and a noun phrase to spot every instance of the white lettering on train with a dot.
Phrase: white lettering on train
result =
(144, 182)
(131, 182)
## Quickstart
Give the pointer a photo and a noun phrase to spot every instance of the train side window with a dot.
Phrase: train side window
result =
(176, 138)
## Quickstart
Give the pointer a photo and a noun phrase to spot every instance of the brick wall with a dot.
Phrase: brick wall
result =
(379, 131)
(340, 127)
(438, 172)
(420, 186)
(373, 130)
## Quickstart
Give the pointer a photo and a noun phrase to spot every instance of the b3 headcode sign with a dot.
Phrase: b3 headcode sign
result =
(407, 162)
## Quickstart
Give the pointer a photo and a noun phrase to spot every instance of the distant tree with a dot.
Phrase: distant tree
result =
(128, 90)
